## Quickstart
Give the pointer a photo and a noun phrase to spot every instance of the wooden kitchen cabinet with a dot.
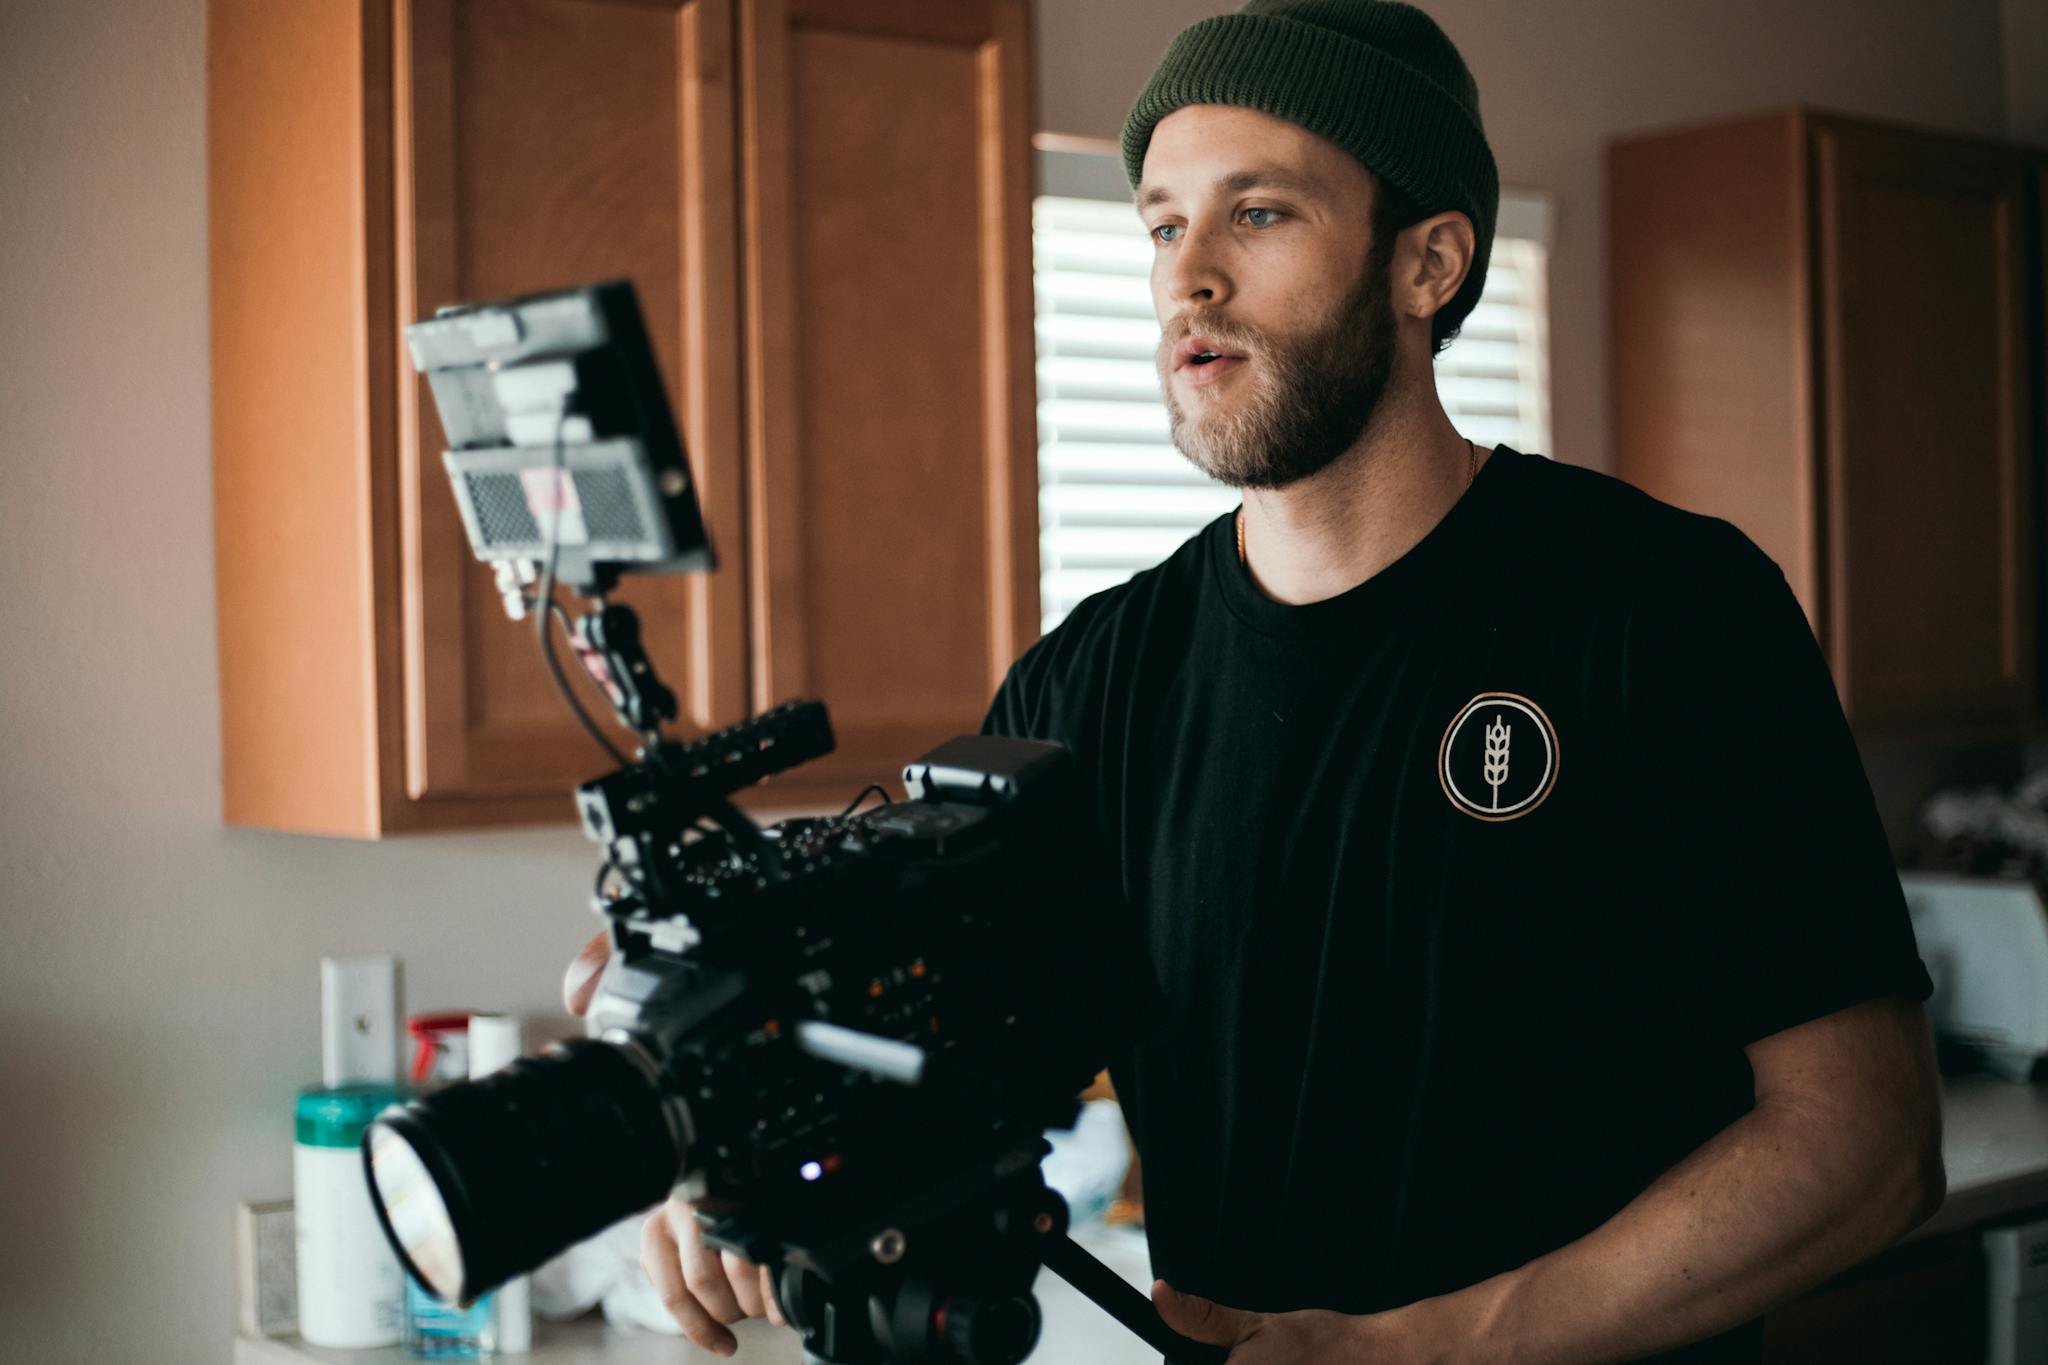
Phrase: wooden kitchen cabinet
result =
(824, 208)
(1916, 1304)
(1826, 331)
(892, 421)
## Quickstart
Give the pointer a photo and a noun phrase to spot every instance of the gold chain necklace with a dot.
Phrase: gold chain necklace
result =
(1471, 472)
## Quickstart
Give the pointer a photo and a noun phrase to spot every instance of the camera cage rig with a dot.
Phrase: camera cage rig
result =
(567, 468)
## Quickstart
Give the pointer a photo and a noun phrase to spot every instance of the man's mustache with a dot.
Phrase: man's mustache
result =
(1233, 335)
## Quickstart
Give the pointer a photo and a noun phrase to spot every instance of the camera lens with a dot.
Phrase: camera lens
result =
(483, 1181)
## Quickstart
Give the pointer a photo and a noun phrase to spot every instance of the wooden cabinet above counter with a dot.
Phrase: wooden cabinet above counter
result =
(825, 211)
(1828, 332)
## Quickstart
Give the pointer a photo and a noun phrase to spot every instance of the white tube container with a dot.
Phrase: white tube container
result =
(351, 1292)
(494, 1044)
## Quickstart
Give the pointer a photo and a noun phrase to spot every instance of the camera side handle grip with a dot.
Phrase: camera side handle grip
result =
(1103, 1286)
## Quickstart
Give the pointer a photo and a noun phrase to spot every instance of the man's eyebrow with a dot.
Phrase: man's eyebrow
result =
(1259, 177)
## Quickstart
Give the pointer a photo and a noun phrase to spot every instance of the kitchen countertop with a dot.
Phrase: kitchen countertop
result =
(1994, 1142)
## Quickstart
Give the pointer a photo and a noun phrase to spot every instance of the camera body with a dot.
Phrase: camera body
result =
(863, 1044)
(841, 1038)
(843, 1007)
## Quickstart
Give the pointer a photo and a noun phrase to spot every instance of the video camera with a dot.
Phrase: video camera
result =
(840, 1037)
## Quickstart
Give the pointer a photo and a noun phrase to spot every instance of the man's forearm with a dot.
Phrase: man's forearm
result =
(1771, 1206)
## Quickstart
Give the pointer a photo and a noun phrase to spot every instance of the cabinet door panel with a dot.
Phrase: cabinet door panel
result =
(293, 420)
(1919, 1302)
(892, 470)
(544, 143)
(1711, 298)
(1929, 522)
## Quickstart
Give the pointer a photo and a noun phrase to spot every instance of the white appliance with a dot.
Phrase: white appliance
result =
(1985, 943)
(2017, 1261)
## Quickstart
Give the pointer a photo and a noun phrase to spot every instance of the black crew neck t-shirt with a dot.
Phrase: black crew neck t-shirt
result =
(1448, 904)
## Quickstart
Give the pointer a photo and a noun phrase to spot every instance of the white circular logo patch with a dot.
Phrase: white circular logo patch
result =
(1498, 759)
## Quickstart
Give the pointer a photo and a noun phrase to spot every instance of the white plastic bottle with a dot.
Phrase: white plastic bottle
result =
(351, 1292)
(494, 1043)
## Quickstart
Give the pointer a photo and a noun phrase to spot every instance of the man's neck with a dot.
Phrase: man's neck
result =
(1328, 533)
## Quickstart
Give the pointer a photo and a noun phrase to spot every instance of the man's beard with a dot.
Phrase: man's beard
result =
(1309, 399)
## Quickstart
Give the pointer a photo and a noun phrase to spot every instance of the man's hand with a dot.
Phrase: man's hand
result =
(579, 983)
(1288, 1338)
(702, 1287)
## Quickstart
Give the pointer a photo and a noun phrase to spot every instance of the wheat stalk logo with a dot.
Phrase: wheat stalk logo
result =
(1497, 756)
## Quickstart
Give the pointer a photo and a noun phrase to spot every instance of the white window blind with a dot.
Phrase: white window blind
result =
(1114, 494)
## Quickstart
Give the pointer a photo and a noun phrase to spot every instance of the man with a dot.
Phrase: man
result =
(1526, 977)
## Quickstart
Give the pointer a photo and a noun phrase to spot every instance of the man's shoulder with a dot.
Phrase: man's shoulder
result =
(1689, 595)
(1105, 631)
(1098, 621)
(1592, 525)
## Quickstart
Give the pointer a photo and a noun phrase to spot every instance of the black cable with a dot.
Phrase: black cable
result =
(871, 787)
(549, 608)
(590, 726)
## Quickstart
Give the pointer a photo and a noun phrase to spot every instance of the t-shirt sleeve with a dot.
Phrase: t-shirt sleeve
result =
(1009, 711)
(1104, 955)
(1766, 850)
(1023, 706)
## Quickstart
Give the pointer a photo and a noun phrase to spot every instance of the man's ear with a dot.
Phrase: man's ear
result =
(1435, 255)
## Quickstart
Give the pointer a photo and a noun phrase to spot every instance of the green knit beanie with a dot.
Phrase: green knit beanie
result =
(1376, 77)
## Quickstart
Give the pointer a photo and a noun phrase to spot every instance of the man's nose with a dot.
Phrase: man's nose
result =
(1196, 275)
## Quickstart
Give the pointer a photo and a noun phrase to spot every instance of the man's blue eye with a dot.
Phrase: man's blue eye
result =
(1272, 212)
(1164, 228)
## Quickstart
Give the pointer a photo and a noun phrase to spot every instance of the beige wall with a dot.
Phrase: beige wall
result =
(157, 972)
(1560, 78)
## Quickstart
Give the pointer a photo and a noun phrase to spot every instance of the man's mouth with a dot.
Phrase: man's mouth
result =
(1203, 360)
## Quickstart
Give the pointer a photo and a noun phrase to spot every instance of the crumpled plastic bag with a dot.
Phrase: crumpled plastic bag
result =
(603, 1271)
(1088, 1164)
(1988, 831)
